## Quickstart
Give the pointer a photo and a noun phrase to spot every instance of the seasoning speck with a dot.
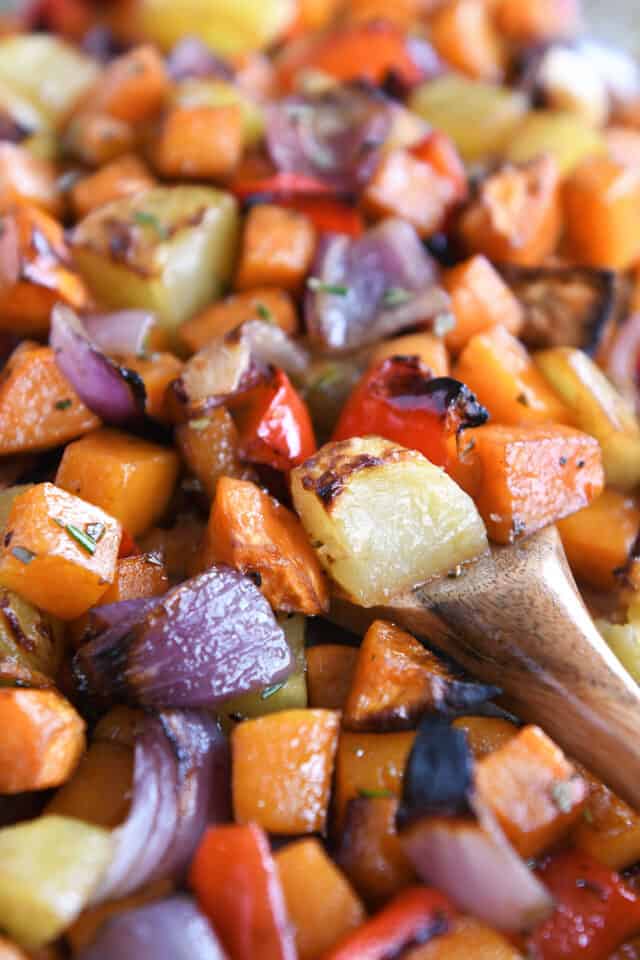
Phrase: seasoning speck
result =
(318, 286)
(22, 554)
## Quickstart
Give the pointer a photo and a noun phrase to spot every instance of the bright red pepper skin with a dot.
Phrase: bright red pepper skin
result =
(400, 400)
(414, 916)
(595, 912)
(274, 425)
(128, 546)
(279, 186)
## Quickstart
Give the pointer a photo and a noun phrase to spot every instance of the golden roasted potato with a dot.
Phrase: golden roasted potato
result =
(383, 518)
(219, 93)
(170, 250)
(566, 137)
(598, 409)
(31, 642)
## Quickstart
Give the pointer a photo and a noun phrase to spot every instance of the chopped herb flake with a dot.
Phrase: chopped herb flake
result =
(372, 794)
(153, 558)
(331, 375)
(22, 554)
(264, 313)
(562, 796)
(63, 404)
(318, 286)
(82, 539)
(95, 530)
(443, 323)
(269, 691)
(145, 219)
(201, 424)
(396, 296)
(588, 816)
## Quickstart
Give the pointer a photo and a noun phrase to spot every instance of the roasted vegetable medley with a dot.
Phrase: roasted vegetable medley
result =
(305, 304)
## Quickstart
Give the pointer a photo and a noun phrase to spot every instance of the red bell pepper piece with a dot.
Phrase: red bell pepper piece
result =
(278, 187)
(128, 546)
(70, 18)
(400, 400)
(274, 425)
(327, 214)
(235, 880)
(414, 916)
(439, 151)
(595, 912)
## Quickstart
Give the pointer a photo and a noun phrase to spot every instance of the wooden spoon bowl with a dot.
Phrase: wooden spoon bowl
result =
(515, 618)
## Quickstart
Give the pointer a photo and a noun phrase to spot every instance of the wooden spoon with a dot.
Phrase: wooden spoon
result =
(515, 618)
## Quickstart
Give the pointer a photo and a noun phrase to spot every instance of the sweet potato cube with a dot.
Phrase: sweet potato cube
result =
(404, 186)
(134, 86)
(39, 408)
(532, 475)
(99, 791)
(465, 36)
(282, 769)
(277, 249)
(270, 305)
(430, 349)
(41, 739)
(137, 578)
(59, 552)
(608, 829)
(251, 531)
(321, 903)
(369, 764)
(123, 177)
(370, 852)
(533, 790)
(485, 734)
(330, 668)
(26, 177)
(199, 142)
(396, 679)
(467, 938)
(131, 479)
(504, 377)
(209, 448)
(236, 882)
(604, 562)
(156, 372)
(480, 300)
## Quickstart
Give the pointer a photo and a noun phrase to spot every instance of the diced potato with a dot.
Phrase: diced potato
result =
(568, 139)
(479, 117)
(218, 93)
(292, 694)
(383, 518)
(598, 409)
(21, 110)
(228, 26)
(30, 62)
(48, 869)
(169, 250)
(624, 640)
(30, 640)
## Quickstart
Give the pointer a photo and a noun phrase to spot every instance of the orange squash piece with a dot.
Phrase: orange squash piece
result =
(464, 35)
(485, 734)
(529, 476)
(321, 903)
(468, 938)
(209, 448)
(330, 668)
(480, 300)
(277, 249)
(41, 739)
(100, 789)
(598, 541)
(199, 142)
(133, 87)
(431, 350)
(602, 207)
(26, 177)
(97, 138)
(370, 852)
(268, 304)
(608, 829)
(369, 764)
(249, 530)
(131, 479)
(504, 377)
(179, 546)
(236, 882)
(404, 186)
(532, 789)
(59, 552)
(396, 680)
(137, 578)
(530, 23)
(123, 177)
(282, 768)
(39, 408)
(33, 270)
(516, 217)
(156, 372)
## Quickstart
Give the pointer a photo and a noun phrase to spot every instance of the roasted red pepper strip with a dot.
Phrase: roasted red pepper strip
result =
(595, 911)
(327, 214)
(278, 187)
(400, 400)
(274, 424)
(128, 546)
(414, 916)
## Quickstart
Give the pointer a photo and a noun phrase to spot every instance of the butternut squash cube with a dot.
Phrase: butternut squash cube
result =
(277, 249)
(58, 551)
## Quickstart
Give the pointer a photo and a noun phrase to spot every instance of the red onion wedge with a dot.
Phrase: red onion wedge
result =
(171, 929)
(473, 863)
(180, 785)
(208, 639)
(116, 394)
(363, 290)
(334, 136)
(122, 333)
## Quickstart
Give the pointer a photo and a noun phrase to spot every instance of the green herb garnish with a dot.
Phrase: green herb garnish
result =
(372, 794)
(269, 691)
(588, 816)
(331, 375)
(146, 219)
(22, 554)
(154, 559)
(201, 424)
(318, 286)
(95, 531)
(562, 796)
(82, 539)
(63, 404)
(396, 296)
(264, 313)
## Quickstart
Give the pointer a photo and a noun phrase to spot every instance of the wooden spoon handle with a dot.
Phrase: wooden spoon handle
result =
(516, 619)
